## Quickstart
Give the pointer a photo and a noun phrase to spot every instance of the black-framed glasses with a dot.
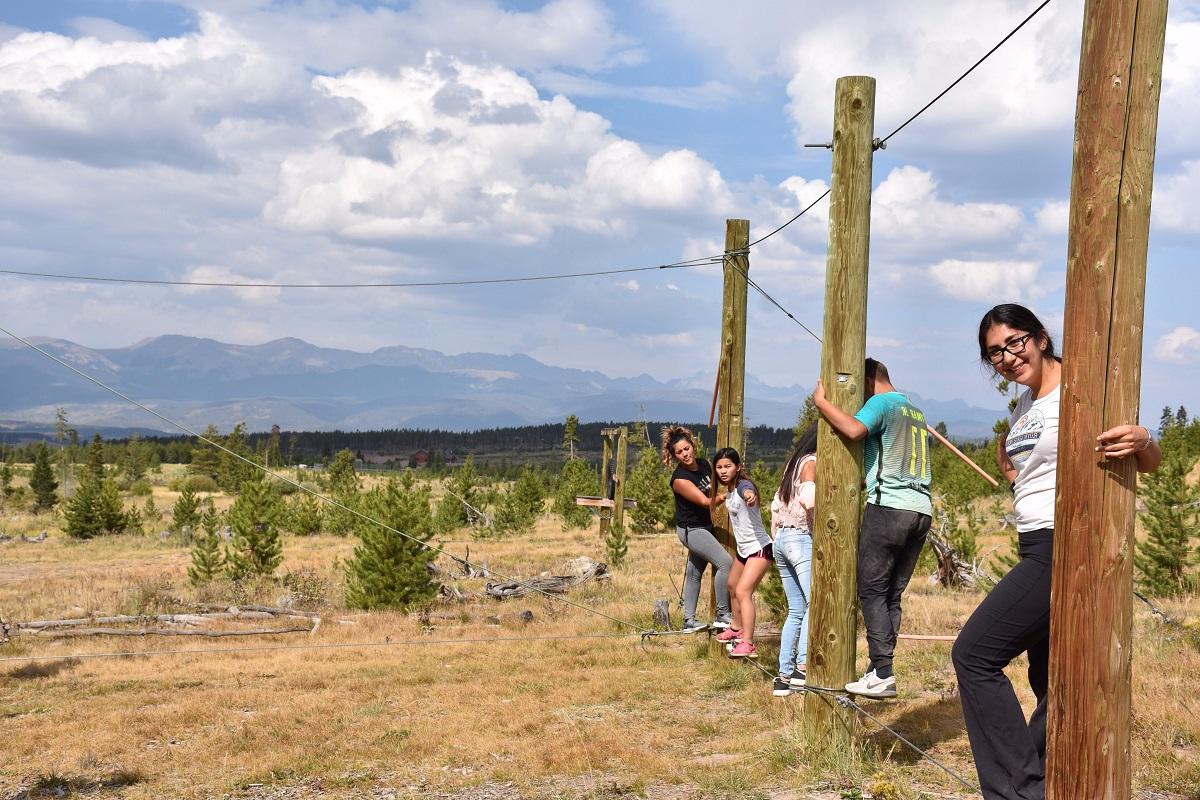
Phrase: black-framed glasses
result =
(1015, 347)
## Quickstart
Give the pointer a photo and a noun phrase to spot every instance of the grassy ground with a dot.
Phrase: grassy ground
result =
(587, 718)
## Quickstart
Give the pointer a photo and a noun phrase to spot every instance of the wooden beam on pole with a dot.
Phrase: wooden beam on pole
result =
(1091, 615)
(834, 607)
(731, 377)
(619, 478)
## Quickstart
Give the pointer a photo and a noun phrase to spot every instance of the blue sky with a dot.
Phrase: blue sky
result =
(322, 141)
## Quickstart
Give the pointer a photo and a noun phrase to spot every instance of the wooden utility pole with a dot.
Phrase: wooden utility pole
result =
(622, 434)
(731, 378)
(834, 606)
(1091, 613)
(605, 457)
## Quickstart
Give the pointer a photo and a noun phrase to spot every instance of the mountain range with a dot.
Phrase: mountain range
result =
(301, 386)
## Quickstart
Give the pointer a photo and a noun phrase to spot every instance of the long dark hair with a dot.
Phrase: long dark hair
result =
(1018, 318)
(806, 446)
(732, 455)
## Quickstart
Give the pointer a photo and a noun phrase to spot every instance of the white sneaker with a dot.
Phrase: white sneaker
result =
(870, 685)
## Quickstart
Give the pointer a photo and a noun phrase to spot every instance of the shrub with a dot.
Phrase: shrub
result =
(199, 483)
(140, 488)
(390, 570)
(576, 479)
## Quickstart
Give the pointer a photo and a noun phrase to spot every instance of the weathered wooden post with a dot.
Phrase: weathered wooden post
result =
(834, 607)
(605, 457)
(619, 480)
(731, 382)
(1091, 603)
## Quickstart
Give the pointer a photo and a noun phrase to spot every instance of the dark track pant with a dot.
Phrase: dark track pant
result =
(889, 544)
(1010, 754)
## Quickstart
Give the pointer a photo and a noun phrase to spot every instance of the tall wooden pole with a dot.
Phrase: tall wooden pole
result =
(1091, 615)
(731, 383)
(834, 607)
(619, 493)
(606, 455)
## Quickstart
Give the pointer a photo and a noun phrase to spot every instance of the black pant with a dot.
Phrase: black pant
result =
(889, 544)
(1010, 754)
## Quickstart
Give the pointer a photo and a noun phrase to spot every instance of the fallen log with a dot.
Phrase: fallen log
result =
(585, 571)
(75, 632)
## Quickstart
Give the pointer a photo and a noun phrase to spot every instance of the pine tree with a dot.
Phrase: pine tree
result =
(41, 480)
(95, 509)
(1181, 417)
(94, 470)
(206, 459)
(274, 456)
(207, 558)
(6, 476)
(344, 486)
(462, 495)
(616, 544)
(389, 570)
(304, 515)
(256, 548)
(1166, 421)
(571, 435)
(520, 507)
(186, 512)
(1165, 560)
(576, 479)
(235, 471)
(650, 485)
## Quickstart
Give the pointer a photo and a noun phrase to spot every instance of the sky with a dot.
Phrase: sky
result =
(307, 141)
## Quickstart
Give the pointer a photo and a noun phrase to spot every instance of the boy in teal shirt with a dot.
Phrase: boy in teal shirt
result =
(898, 513)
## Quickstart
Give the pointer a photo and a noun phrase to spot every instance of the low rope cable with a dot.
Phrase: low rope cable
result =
(754, 285)
(303, 488)
(971, 69)
(694, 262)
(324, 646)
(845, 702)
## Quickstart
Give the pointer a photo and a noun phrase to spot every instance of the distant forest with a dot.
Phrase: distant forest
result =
(529, 444)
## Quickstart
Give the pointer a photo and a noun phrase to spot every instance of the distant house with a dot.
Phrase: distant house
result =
(419, 459)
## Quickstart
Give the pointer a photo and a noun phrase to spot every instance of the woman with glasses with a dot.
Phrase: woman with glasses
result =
(1014, 618)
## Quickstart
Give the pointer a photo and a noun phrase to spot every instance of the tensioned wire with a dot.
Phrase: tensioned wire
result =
(328, 500)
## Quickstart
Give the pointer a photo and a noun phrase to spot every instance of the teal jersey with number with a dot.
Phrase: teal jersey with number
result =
(896, 453)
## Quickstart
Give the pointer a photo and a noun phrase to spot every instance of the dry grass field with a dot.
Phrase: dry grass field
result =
(419, 707)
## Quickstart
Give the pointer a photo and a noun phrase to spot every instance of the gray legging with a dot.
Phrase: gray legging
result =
(704, 549)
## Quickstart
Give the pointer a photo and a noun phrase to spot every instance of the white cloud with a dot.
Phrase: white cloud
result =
(1173, 205)
(914, 50)
(1053, 217)
(906, 207)
(1180, 346)
(994, 281)
(450, 149)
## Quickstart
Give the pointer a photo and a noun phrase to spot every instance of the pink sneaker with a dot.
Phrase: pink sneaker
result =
(728, 635)
(744, 650)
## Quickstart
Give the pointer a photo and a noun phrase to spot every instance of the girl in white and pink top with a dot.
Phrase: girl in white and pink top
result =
(791, 522)
(753, 550)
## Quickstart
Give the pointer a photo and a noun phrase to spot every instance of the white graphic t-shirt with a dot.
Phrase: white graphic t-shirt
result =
(1032, 447)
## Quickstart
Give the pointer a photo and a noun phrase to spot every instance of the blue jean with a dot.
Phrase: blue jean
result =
(793, 556)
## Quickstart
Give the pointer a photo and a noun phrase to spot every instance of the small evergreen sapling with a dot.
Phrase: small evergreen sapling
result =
(389, 570)
(186, 512)
(1166, 559)
(256, 548)
(42, 481)
(207, 558)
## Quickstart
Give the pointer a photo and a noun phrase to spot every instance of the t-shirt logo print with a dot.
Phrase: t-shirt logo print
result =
(1024, 436)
